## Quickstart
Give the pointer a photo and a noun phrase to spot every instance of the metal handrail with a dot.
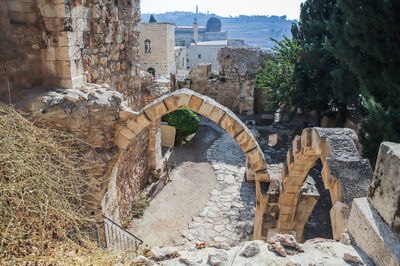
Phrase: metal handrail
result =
(123, 229)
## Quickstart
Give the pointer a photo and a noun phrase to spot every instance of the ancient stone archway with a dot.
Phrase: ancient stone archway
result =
(135, 122)
(344, 173)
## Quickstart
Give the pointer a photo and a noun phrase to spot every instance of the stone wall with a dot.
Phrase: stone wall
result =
(49, 49)
(20, 48)
(234, 86)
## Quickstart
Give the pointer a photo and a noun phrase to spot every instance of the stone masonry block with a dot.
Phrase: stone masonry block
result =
(296, 145)
(384, 191)
(138, 124)
(128, 134)
(121, 142)
(182, 99)
(216, 114)
(372, 234)
(206, 108)
(260, 165)
(195, 103)
(339, 217)
(171, 103)
(255, 156)
(156, 110)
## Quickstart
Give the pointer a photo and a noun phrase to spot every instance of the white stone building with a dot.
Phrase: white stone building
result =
(205, 53)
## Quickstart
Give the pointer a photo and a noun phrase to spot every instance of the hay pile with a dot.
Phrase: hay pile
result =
(42, 182)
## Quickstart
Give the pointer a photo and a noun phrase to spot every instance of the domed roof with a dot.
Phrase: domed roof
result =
(214, 24)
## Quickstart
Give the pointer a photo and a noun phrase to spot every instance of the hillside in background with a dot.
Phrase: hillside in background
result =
(255, 30)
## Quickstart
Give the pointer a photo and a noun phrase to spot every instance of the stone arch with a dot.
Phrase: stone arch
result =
(345, 174)
(135, 122)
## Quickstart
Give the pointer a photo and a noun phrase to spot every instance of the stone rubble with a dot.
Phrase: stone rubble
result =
(323, 252)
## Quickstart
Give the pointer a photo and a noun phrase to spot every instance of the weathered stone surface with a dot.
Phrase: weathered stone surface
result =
(217, 258)
(159, 254)
(284, 245)
(234, 87)
(250, 250)
(384, 192)
(372, 234)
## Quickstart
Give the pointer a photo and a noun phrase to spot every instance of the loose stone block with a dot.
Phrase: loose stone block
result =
(372, 234)
(384, 191)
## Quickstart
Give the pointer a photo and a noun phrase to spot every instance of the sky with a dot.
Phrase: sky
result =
(290, 8)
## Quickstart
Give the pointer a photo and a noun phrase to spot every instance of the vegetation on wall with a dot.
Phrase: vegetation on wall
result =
(348, 62)
(184, 120)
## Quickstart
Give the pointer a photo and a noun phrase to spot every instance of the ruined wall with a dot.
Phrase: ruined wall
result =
(49, 49)
(234, 86)
(20, 47)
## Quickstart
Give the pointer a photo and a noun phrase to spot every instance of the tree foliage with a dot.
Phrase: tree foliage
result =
(276, 77)
(184, 120)
(367, 39)
(324, 84)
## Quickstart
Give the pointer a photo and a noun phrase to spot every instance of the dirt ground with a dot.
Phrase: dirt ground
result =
(185, 196)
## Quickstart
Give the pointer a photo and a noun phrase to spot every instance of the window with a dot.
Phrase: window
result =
(199, 56)
(147, 46)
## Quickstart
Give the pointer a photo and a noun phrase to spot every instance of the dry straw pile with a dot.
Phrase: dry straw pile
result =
(43, 176)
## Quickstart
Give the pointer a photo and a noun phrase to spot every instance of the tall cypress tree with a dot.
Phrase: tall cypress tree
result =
(367, 38)
(324, 83)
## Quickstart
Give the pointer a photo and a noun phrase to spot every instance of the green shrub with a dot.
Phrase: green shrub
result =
(184, 120)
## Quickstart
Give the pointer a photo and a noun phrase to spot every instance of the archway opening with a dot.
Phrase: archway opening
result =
(319, 223)
(152, 71)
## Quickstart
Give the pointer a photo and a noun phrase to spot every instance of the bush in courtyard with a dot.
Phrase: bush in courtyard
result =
(184, 120)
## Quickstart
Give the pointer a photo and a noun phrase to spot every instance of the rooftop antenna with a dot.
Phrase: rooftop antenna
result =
(197, 10)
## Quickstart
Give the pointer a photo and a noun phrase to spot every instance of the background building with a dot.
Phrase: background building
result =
(157, 48)
(185, 35)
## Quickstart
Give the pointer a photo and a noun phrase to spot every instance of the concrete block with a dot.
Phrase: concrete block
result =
(384, 191)
(372, 235)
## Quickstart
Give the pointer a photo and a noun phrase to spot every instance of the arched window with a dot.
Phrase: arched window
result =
(152, 71)
(147, 46)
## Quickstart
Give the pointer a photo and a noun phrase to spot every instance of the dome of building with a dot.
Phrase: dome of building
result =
(214, 24)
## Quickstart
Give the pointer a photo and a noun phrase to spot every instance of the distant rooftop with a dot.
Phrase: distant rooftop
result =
(223, 42)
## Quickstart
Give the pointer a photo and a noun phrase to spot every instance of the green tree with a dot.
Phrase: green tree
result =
(276, 77)
(323, 83)
(184, 120)
(367, 39)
